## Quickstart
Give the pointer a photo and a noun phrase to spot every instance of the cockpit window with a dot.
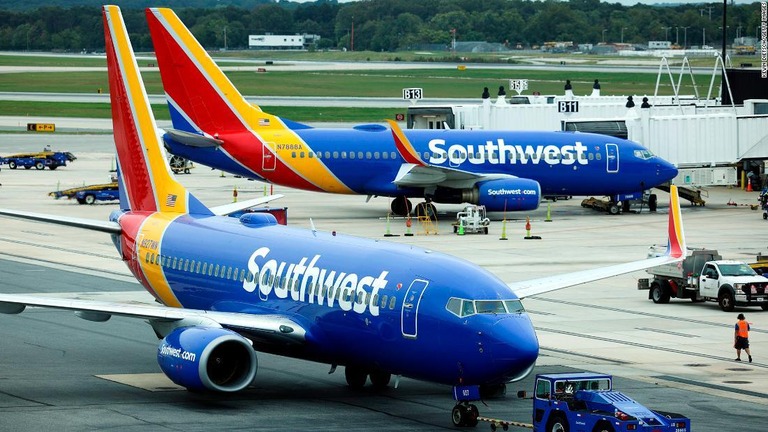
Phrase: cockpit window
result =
(514, 306)
(467, 308)
(454, 306)
(490, 306)
(643, 154)
(464, 308)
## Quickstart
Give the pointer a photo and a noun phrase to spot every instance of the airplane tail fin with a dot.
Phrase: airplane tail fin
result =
(143, 168)
(201, 98)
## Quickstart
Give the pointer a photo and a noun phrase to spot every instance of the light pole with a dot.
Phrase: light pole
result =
(685, 37)
(677, 36)
(703, 37)
(604, 30)
(666, 33)
(622, 34)
(225, 38)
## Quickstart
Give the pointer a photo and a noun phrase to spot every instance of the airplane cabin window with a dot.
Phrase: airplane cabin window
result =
(343, 155)
(359, 155)
(368, 155)
(393, 155)
(385, 155)
(293, 155)
(146, 258)
(375, 299)
(229, 272)
(186, 265)
(205, 267)
(426, 155)
(591, 156)
(351, 155)
(301, 155)
(384, 299)
(242, 275)
(216, 271)
(335, 154)
(312, 154)
(598, 156)
(376, 155)
(173, 265)
(392, 302)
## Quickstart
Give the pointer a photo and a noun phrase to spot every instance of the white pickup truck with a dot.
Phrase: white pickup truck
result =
(705, 276)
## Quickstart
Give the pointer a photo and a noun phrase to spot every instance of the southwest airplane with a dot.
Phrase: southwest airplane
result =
(214, 125)
(228, 287)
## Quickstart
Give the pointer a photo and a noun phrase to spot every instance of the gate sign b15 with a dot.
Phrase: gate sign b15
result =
(413, 93)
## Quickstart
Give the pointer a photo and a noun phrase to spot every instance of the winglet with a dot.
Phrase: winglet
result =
(404, 147)
(676, 242)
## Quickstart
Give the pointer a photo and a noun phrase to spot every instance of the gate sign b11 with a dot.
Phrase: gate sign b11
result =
(413, 93)
(569, 106)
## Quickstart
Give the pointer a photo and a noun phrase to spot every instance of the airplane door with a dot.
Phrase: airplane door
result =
(269, 160)
(612, 158)
(410, 311)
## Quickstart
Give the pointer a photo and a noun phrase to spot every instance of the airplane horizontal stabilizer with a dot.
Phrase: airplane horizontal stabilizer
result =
(193, 139)
(675, 252)
(95, 225)
(227, 209)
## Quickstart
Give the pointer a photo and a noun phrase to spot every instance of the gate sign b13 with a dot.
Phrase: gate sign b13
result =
(413, 93)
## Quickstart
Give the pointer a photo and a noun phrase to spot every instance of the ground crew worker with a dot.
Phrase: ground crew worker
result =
(741, 338)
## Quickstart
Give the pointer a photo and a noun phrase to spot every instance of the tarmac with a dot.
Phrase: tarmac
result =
(58, 371)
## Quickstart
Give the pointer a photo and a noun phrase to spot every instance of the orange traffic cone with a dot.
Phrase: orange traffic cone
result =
(749, 185)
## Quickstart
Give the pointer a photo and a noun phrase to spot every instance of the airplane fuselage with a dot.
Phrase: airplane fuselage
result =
(365, 160)
(375, 305)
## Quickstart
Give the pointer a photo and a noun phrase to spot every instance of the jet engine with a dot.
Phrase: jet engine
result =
(207, 358)
(515, 194)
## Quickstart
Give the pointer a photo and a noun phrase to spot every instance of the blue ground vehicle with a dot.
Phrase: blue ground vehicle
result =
(586, 402)
(90, 194)
(39, 160)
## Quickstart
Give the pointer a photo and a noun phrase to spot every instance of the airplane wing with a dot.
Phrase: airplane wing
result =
(274, 328)
(227, 209)
(675, 252)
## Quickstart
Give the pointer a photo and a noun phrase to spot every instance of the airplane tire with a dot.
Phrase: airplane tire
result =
(652, 202)
(356, 377)
(380, 380)
(401, 206)
(459, 415)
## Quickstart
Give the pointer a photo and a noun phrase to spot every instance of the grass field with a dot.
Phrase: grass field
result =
(103, 110)
(437, 83)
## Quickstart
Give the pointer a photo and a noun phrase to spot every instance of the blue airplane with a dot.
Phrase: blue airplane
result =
(504, 170)
(227, 288)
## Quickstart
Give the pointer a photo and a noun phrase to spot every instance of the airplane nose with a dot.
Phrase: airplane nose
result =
(666, 171)
(517, 346)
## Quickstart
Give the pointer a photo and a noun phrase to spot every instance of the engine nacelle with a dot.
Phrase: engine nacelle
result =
(207, 358)
(496, 195)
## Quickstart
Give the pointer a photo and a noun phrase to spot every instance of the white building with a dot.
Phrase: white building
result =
(281, 42)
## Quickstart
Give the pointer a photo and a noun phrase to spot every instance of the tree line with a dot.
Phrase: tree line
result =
(392, 25)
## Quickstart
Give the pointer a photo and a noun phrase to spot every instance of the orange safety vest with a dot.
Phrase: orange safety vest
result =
(743, 329)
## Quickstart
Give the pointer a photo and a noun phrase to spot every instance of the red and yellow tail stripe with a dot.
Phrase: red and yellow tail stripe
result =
(148, 181)
(404, 146)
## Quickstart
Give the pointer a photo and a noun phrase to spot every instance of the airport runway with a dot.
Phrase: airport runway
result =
(58, 371)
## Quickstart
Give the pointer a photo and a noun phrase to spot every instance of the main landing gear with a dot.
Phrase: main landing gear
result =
(357, 378)
(402, 206)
